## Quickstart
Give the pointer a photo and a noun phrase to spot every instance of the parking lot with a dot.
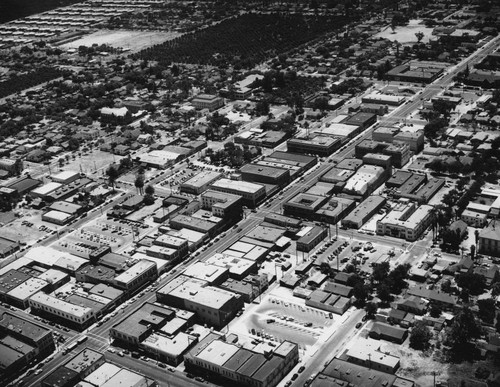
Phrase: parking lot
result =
(280, 318)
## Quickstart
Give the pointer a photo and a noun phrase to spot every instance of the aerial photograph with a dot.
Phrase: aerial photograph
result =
(250, 193)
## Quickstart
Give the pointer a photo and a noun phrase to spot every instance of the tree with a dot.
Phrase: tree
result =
(435, 311)
(380, 271)
(150, 190)
(464, 330)
(370, 309)
(384, 293)
(487, 310)
(419, 35)
(396, 278)
(472, 282)
(139, 183)
(112, 173)
(420, 336)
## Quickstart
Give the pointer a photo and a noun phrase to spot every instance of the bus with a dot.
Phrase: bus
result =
(81, 340)
(69, 348)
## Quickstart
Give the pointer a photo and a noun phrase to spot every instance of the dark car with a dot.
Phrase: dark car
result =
(301, 369)
(358, 325)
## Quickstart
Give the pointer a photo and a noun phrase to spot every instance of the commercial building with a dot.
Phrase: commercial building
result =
(366, 179)
(251, 193)
(281, 220)
(319, 145)
(416, 72)
(385, 134)
(168, 349)
(207, 101)
(267, 139)
(398, 179)
(213, 306)
(310, 237)
(135, 277)
(33, 341)
(79, 317)
(335, 209)
(237, 365)
(199, 183)
(362, 120)
(258, 173)
(364, 211)
(342, 131)
(304, 205)
(328, 301)
(198, 224)
(344, 373)
(407, 221)
(66, 177)
(238, 267)
(211, 274)
(178, 244)
(128, 378)
(223, 205)
(135, 328)
(418, 188)
(383, 99)
(366, 352)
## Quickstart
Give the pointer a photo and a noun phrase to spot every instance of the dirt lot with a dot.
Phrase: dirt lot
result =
(26, 229)
(133, 40)
(406, 34)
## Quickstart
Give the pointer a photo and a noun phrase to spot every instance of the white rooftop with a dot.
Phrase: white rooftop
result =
(218, 352)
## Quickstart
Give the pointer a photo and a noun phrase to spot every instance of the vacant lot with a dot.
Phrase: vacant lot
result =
(406, 34)
(132, 40)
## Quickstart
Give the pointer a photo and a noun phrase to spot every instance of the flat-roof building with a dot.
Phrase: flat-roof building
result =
(304, 205)
(212, 306)
(194, 223)
(407, 221)
(135, 328)
(200, 182)
(364, 211)
(212, 274)
(223, 205)
(207, 101)
(317, 145)
(57, 309)
(383, 99)
(251, 193)
(28, 334)
(363, 120)
(136, 276)
(258, 173)
(310, 239)
(238, 267)
(243, 366)
(366, 179)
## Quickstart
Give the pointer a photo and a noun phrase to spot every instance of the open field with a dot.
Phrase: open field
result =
(406, 34)
(132, 40)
